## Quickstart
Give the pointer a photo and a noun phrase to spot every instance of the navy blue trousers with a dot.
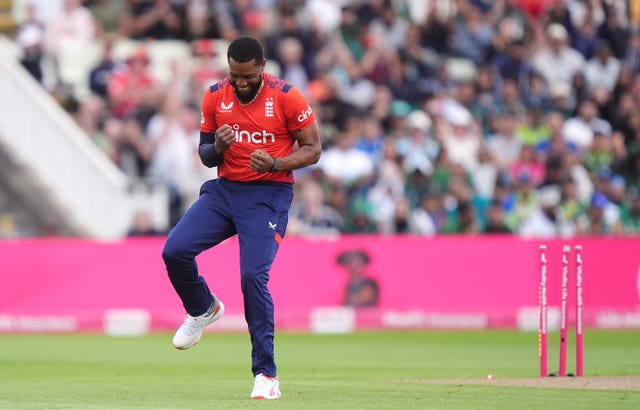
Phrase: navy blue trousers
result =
(258, 213)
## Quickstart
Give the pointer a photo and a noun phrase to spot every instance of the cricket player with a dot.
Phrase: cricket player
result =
(256, 129)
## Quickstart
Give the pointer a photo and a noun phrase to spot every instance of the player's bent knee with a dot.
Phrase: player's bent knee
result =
(174, 254)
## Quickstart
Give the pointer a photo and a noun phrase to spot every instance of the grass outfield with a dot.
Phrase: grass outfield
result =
(391, 370)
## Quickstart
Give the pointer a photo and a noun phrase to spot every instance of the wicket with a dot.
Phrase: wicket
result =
(543, 329)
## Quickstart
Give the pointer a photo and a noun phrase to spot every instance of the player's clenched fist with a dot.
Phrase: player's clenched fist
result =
(224, 138)
(261, 161)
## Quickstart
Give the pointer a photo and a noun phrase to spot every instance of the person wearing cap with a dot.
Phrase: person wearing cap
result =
(557, 62)
(601, 219)
(460, 137)
(416, 148)
(129, 83)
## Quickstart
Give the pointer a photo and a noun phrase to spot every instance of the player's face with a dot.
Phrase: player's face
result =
(245, 78)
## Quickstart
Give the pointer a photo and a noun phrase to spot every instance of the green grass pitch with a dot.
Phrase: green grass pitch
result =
(378, 370)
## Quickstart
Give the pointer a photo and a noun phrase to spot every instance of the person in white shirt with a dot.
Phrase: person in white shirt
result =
(603, 69)
(558, 62)
(579, 129)
(545, 221)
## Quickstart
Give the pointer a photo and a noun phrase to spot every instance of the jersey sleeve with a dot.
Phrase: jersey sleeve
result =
(299, 114)
(208, 118)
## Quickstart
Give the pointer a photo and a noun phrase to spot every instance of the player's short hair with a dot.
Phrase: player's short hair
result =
(244, 49)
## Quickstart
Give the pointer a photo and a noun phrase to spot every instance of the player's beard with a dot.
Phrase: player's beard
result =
(247, 97)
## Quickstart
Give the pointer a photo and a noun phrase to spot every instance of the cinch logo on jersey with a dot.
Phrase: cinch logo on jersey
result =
(305, 114)
(256, 137)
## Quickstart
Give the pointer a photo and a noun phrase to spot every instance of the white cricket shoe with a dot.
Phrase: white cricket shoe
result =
(189, 334)
(265, 387)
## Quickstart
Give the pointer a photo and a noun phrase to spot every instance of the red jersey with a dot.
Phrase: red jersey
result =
(268, 123)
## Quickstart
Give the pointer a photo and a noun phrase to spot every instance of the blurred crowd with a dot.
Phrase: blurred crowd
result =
(437, 116)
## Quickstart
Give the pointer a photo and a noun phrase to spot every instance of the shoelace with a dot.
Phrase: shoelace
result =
(191, 325)
(263, 382)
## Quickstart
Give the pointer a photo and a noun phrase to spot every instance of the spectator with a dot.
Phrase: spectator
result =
(503, 146)
(310, 216)
(603, 69)
(525, 198)
(555, 145)
(100, 75)
(344, 163)
(496, 220)
(429, 217)
(371, 140)
(388, 29)
(30, 39)
(173, 139)
(324, 14)
(128, 84)
(613, 31)
(291, 63)
(400, 220)
(572, 208)
(472, 33)
(544, 220)
(510, 101)
(418, 57)
(206, 69)
(134, 149)
(72, 28)
(387, 192)
(356, 90)
(630, 214)
(632, 54)
(599, 155)
(417, 149)
(586, 39)
(514, 65)
(460, 137)
(90, 117)
(530, 164)
(289, 27)
(462, 220)
(599, 224)
(562, 99)
(557, 62)
(533, 129)
(580, 129)
(360, 216)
